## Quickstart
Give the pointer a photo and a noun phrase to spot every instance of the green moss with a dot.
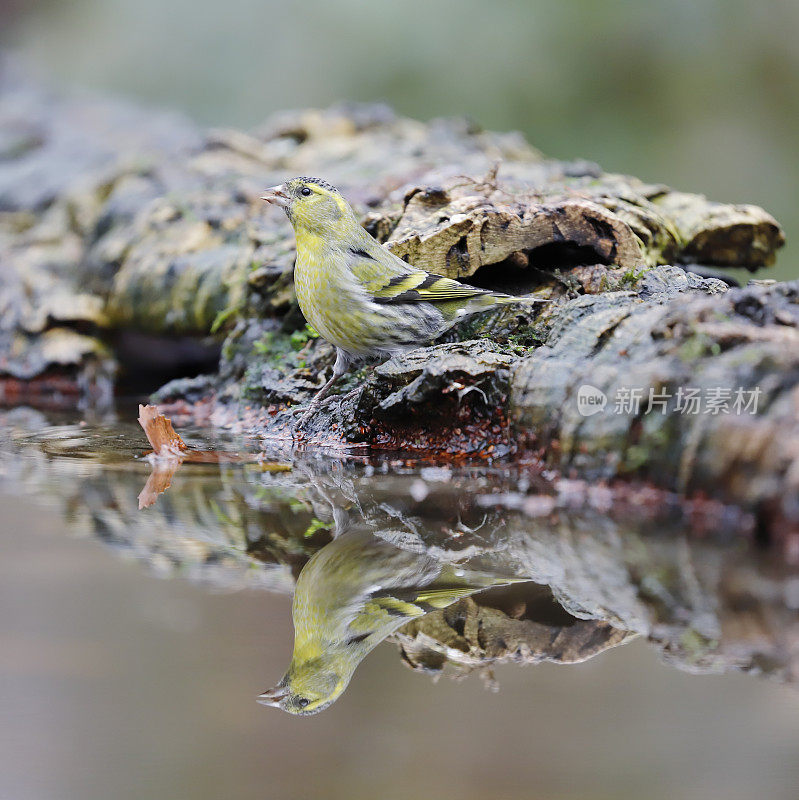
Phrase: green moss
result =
(696, 645)
(696, 347)
(224, 316)
(526, 338)
(282, 348)
(300, 338)
(237, 302)
(631, 278)
(315, 526)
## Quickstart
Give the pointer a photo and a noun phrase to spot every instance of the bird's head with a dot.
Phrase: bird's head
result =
(313, 205)
(309, 686)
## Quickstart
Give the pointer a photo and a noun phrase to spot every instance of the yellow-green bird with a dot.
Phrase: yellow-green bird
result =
(349, 597)
(360, 297)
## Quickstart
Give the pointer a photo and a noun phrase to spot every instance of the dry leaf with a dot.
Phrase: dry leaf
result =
(159, 432)
(170, 451)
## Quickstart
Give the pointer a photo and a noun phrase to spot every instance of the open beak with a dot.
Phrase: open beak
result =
(277, 196)
(272, 697)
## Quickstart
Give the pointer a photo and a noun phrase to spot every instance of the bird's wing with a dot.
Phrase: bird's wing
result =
(441, 598)
(420, 286)
(391, 611)
(406, 604)
(379, 612)
(388, 279)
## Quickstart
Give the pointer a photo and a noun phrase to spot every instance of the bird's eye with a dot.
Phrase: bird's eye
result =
(305, 191)
(303, 701)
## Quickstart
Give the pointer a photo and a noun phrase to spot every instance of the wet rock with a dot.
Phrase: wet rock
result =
(459, 368)
(472, 635)
(721, 234)
(117, 217)
(663, 283)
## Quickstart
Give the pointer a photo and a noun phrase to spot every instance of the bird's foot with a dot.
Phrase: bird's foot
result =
(294, 410)
(304, 419)
(314, 406)
(351, 393)
(307, 412)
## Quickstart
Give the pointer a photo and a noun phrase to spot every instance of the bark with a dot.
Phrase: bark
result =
(553, 212)
(742, 340)
(116, 220)
(472, 635)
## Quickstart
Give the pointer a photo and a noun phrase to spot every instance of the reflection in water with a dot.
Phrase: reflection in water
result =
(349, 597)
(385, 549)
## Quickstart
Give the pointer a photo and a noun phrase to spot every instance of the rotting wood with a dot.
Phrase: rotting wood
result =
(157, 227)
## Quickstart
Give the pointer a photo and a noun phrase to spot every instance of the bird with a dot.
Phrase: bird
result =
(352, 594)
(355, 293)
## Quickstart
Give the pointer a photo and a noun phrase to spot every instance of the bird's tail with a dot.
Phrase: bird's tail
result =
(526, 299)
(455, 310)
(489, 300)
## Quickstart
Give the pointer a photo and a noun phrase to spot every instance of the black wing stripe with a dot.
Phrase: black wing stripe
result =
(414, 294)
(429, 281)
(402, 297)
(357, 251)
(358, 638)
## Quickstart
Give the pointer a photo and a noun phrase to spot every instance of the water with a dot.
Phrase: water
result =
(115, 682)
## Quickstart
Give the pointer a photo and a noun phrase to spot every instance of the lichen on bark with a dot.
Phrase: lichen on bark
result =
(140, 222)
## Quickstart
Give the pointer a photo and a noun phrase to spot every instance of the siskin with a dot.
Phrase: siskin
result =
(349, 597)
(355, 293)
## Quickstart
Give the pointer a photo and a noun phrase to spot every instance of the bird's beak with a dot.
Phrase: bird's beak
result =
(277, 196)
(272, 697)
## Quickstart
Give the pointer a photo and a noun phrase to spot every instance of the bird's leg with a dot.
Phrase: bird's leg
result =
(339, 368)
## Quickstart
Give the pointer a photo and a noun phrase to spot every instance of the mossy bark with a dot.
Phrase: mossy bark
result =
(117, 219)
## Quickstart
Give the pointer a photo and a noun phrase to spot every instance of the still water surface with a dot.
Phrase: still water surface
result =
(134, 643)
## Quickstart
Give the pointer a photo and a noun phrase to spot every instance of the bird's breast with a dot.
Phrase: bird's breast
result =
(344, 314)
(328, 297)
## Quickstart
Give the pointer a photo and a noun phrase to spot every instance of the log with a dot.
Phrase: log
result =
(116, 221)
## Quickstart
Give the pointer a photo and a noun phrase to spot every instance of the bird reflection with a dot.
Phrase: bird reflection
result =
(350, 596)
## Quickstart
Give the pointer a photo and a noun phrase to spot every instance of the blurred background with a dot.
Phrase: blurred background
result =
(700, 94)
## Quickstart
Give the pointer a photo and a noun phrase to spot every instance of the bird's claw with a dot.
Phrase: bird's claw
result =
(307, 413)
(303, 420)
(310, 410)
